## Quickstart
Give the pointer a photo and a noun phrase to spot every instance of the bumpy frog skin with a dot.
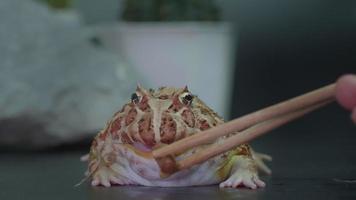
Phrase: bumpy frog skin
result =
(119, 154)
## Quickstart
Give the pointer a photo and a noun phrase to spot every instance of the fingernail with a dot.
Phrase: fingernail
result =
(353, 115)
(346, 92)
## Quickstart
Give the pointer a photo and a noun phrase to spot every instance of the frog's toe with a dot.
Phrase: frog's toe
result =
(259, 182)
(249, 184)
(233, 183)
(236, 183)
(259, 159)
(101, 178)
(109, 176)
(252, 182)
(108, 181)
(116, 181)
(95, 182)
(105, 183)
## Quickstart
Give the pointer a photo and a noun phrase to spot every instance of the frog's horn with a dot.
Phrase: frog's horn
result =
(185, 89)
(141, 89)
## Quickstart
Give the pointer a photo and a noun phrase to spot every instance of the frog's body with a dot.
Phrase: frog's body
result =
(119, 154)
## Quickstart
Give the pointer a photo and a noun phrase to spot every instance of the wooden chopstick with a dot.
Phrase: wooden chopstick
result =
(244, 137)
(307, 100)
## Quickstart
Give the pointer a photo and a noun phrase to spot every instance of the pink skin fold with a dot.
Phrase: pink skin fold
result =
(346, 93)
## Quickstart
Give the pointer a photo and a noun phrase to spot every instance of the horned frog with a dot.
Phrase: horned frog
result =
(119, 154)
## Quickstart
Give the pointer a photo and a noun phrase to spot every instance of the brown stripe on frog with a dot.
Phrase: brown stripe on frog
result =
(143, 105)
(176, 104)
(115, 125)
(103, 134)
(125, 138)
(116, 135)
(167, 129)
(131, 115)
(188, 118)
(135, 136)
(133, 133)
(94, 143)
(145, 130)
(181, 135)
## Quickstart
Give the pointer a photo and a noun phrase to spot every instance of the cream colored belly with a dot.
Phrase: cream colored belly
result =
(143, 171)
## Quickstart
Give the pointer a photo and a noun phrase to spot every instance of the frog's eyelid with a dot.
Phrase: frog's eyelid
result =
(186, 93)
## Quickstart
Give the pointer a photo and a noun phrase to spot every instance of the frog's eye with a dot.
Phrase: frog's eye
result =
(135, 98)
(187, 98)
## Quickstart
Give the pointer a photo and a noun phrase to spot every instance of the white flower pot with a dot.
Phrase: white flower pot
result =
(197, 54)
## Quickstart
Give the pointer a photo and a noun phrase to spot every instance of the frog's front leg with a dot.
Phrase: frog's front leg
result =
(243, 173)
(123, 164)
(106, 168)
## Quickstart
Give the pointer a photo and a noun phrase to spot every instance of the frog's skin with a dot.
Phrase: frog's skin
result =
(119, 154)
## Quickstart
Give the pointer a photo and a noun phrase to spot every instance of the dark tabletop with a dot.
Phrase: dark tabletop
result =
(306, 165)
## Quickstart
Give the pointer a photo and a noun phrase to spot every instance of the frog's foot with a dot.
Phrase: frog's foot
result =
(243, 173)
(243, 178)
(108, 176)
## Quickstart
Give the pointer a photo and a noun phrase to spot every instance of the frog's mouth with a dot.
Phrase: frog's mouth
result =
(141, 147)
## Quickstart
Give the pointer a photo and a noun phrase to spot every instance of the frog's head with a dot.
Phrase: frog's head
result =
(165, 115)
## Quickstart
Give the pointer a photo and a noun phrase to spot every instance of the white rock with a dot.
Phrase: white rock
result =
(55, 85)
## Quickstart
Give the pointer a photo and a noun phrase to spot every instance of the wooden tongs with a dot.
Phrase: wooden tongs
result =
(247, 127)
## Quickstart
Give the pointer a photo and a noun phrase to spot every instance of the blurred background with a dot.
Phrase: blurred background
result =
(67, 65)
